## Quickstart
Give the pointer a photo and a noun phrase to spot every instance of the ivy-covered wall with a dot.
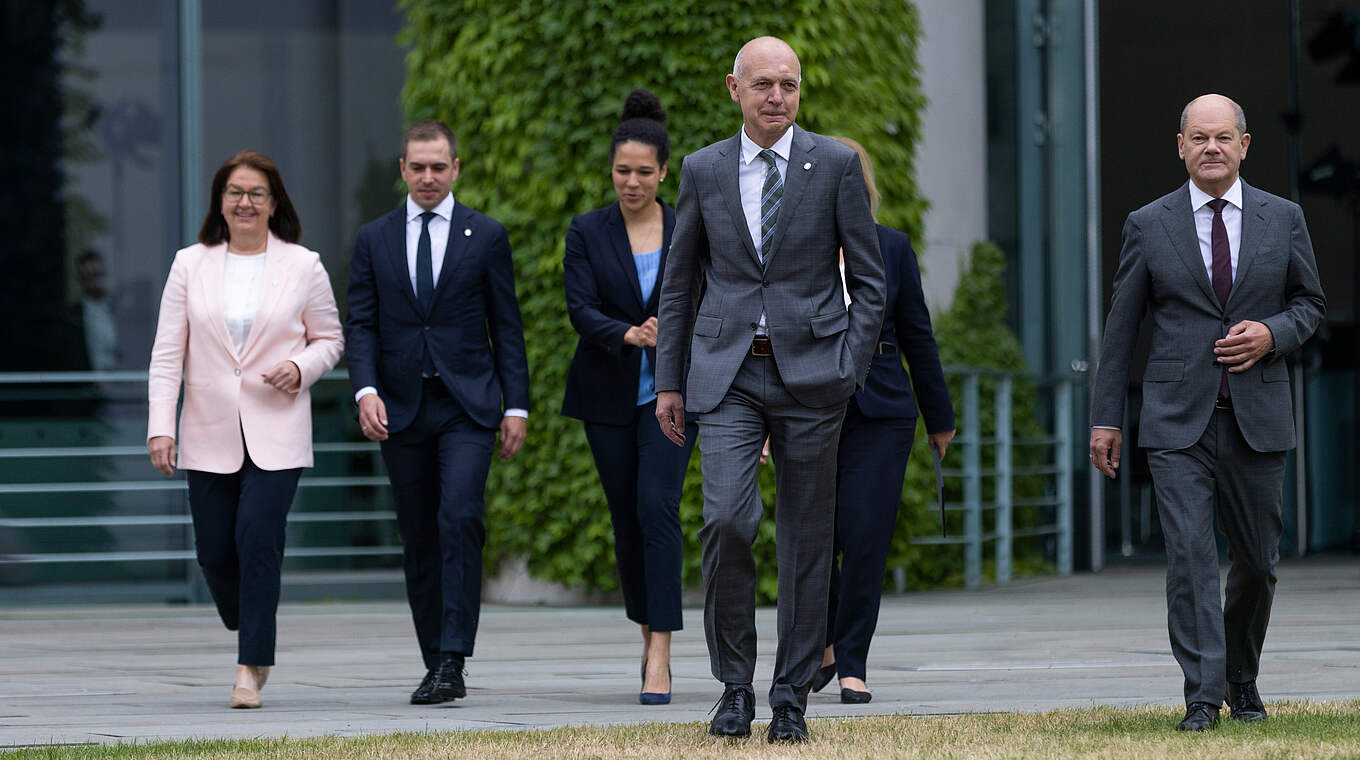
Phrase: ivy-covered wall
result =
(533, 91)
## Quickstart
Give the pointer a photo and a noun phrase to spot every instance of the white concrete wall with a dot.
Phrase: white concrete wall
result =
(951, 164)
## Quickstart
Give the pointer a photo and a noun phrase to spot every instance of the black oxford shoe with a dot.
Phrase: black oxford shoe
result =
(787, 726)
(1199, 716)
(1245, 702)
(443, 684)
(736, 709)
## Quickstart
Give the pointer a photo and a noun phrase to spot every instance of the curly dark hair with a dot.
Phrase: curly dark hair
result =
(643, 120)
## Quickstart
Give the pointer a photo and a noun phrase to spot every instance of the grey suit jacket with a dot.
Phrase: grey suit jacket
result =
(715, 288)
(1161, 271)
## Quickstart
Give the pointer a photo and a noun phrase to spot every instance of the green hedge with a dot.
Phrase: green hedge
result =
(533, 91)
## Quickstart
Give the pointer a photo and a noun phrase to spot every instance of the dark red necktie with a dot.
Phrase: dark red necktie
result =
(1222, 269)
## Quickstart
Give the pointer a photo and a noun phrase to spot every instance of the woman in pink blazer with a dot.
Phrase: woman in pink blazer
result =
(248, 319)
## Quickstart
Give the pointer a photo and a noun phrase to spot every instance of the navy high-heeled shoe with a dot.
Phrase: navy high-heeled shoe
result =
(653, 697)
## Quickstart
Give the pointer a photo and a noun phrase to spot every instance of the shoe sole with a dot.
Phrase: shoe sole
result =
(721, 735)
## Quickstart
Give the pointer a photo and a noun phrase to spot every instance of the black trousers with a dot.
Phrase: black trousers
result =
(239, 523)
(643, 474)
(871, 464)
(1215, 643)
(438, 467)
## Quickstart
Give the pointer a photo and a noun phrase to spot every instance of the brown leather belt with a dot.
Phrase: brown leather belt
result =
(760, 346)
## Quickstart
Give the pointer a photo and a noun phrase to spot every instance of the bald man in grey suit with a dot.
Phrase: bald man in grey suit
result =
(770, 349)
(1227, 273)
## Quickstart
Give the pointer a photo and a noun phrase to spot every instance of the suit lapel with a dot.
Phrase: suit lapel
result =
(726, 169)
(1179, 221)
(1254, 226)
(394, 236)
(211, 273)
(800, 166)
(456, 252)
(276, 266)
(623, 252)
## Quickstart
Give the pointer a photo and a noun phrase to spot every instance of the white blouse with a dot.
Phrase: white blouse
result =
(241, 288)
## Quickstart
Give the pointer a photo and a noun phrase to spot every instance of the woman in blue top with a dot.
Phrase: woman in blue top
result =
(614, 259)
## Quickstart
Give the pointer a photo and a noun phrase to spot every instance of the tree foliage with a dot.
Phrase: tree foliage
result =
(533, 90)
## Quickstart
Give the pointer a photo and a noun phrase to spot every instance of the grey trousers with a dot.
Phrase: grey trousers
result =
(803, 443)
(1215, 644)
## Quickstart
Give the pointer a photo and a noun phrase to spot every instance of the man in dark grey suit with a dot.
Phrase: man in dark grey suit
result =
(1227, 274)
(769, 348)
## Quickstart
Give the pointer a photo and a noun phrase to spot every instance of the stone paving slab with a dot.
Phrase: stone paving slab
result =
(101, 674)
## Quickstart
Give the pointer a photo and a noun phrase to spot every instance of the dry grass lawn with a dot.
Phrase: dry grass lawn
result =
(1298, 731)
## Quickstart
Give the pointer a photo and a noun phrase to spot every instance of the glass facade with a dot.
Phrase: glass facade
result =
(120, 113)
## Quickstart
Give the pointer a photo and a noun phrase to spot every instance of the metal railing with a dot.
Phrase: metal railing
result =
(1056, 495)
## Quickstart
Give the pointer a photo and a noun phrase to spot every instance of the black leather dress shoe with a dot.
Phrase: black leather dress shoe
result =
(853, 697)
(736, 709)
(787, 726)
(1245, 702)
(1199, 716)
(443, 684)
(823, 677)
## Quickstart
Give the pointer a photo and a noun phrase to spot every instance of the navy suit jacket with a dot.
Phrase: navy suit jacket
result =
(603, 301)
(906, 325)
(473, 330)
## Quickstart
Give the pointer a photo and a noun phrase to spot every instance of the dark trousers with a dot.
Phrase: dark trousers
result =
(643, 474)
(438, 467)
(1215, 644)
(239, 523)
(803, 443)
(871, 464)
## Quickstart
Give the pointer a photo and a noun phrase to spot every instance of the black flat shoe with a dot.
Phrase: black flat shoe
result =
(1245, 702)
(1199, 716)
(852, 697)
(787, 726)
(736, 709)
(823, 677)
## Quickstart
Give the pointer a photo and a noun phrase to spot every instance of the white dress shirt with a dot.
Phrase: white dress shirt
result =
(439, 243)
(1204, 224)
(751, 180)
(241, 286)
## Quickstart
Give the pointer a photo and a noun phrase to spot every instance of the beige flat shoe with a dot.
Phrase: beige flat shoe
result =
(261, 675)
(243, 698)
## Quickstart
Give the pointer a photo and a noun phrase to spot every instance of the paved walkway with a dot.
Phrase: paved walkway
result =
(105, 674)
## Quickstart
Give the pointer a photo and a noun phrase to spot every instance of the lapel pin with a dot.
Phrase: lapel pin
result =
(467, 232)
(807, 166)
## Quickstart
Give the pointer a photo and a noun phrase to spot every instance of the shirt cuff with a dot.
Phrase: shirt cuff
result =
(364, 391)
(517, 413)
(1104, 427)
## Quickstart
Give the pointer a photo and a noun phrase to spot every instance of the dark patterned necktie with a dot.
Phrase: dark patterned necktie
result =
(771, 194)
(1222, 269)
(425, 264)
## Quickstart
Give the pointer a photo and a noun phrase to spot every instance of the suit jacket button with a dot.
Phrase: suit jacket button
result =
(427, 327)
(754, 325)
(238, 371)
(765, 284)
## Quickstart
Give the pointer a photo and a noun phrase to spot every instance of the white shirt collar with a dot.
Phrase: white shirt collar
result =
(1198, 197)
(444, 210)
(782, 147)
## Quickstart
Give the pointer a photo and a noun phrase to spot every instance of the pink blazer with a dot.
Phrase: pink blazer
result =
(224, 394)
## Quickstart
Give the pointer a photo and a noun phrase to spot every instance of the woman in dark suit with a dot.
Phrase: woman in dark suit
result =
(876, 437)
(612, 267)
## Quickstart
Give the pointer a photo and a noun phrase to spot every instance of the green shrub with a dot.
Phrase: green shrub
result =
(533, 91)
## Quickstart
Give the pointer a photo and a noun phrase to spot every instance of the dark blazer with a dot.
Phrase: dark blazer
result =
(905, 335)
(603, 301)
(473, 330)
(1161, 271)
(822, 348)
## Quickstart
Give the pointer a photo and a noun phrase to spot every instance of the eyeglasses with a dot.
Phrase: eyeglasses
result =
(257, 197)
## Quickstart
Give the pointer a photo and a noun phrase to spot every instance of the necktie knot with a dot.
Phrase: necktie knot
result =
(1217, 205)
(426, 216)
(768, 155)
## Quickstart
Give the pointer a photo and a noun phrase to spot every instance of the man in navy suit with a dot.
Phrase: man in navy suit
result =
(436, 350)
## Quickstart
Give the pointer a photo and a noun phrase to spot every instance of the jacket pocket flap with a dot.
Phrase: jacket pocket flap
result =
(829, 324)
(1275, 372)
(707, 326)
(1164, 372)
